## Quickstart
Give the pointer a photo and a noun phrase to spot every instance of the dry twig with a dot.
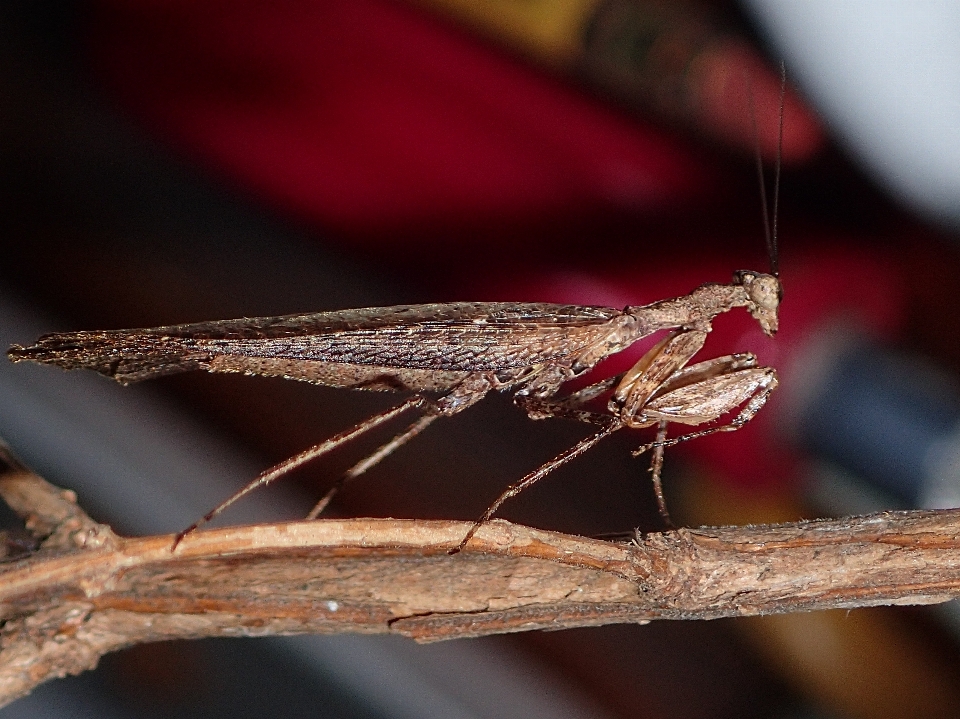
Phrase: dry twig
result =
(86, 592)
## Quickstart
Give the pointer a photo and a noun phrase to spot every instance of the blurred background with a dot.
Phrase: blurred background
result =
(170, 162)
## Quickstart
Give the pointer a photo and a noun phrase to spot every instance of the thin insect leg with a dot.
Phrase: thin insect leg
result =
(513, 490)
(328, 445)
(364, 464)
(541, 409)
(591, 392)
(569, 406)
(746, 414)
(656, 467)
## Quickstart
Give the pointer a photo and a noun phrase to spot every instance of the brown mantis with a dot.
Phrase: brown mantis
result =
(461, 351)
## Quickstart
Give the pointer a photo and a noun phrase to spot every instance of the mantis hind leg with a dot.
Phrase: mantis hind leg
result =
(465, 394)
(382, 452)
(318, 450)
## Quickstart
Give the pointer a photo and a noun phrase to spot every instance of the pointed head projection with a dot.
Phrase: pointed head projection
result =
(764, 293)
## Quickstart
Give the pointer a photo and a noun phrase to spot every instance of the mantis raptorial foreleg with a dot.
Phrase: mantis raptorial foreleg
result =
(657, 390)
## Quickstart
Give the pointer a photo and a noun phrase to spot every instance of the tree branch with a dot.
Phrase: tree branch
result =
(86, 592)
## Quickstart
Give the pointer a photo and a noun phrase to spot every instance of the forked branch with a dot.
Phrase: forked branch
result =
(86, 592)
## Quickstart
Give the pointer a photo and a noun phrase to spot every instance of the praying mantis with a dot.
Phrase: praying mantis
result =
(449, 356)
(460, 352)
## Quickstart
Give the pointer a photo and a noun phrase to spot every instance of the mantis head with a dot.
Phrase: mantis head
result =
(764, 293)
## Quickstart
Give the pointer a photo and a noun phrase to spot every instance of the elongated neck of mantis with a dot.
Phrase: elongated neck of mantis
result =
(694, 311)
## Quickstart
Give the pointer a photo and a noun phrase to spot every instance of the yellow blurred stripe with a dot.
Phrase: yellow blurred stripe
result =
(550, 30)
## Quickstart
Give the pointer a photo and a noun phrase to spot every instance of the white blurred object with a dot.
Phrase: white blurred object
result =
(885, 75)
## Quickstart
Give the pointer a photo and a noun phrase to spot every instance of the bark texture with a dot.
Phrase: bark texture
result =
(83, 591)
